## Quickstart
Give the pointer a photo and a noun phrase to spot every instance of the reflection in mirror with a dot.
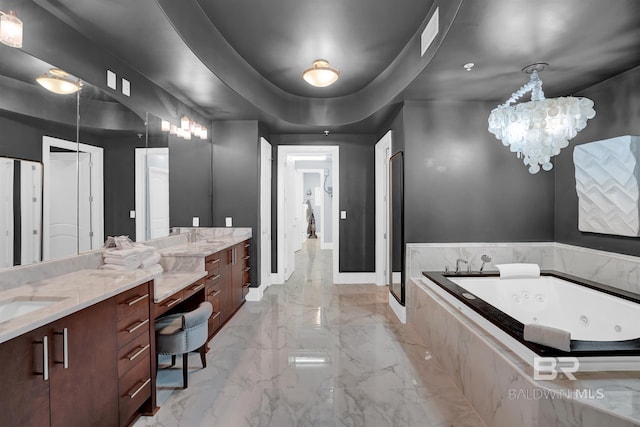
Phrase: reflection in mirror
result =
(396, 191)
(29, 114)
(20, 211)
(152, 183)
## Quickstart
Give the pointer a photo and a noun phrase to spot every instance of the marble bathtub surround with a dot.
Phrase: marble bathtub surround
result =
(499, 384)
(611, 269)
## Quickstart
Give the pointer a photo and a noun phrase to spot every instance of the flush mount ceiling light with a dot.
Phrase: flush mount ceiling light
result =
(10, 29)
(58, 81)
(320, 74)
(537, 130)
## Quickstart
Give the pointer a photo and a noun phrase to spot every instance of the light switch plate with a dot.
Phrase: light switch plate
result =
(196, 221)
(228, 222)
(111, 79)
(126, 87)
(343, 214)
(132, 214)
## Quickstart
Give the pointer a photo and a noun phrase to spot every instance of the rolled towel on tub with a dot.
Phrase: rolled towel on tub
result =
(518, 270)
(546, 335)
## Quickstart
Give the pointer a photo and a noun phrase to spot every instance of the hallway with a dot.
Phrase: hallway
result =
(313, 354)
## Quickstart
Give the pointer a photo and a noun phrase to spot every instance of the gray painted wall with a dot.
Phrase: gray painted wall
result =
(463, 185)
(236, 179)
(617, 105)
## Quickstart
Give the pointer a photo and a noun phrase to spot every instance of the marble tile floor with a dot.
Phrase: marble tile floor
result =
(312, 353)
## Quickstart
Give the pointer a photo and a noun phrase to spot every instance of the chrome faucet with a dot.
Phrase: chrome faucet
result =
(458, 261)
(485, 259)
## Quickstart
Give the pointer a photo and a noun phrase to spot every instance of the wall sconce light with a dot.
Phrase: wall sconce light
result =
(537, 130)
(10, 29)
(165, 126)
(185, 122)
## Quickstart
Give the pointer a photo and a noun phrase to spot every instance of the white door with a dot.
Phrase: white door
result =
(266, 159)
(291, 211)
(85, 203)
(31, 211)
(6, 212)
(382, 156)
(158, 202)
(63, 230)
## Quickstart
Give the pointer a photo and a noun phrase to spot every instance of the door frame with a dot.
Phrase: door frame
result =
(382, 156)
(283, 152)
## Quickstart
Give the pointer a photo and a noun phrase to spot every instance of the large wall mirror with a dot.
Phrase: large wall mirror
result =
(67, 163)
(396, 216)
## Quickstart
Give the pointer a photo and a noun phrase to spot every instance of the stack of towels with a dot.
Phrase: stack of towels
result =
(128, 255)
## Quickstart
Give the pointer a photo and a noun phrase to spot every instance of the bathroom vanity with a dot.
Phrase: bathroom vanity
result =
(79, 348)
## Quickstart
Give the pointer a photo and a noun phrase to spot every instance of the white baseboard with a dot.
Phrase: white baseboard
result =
(255, 294)
(399, 310)
(277, 279)
(354, 278)
(326, 246)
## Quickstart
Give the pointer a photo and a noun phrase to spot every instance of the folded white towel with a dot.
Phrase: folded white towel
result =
(546, 335)
(130, 262)
(150, 259)
(518, 270)
(117, 267)
(155, 269)
(123, 253)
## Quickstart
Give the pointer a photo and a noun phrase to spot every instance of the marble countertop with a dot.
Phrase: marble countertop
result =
(171, 282)
(204, 248)
(71, 292)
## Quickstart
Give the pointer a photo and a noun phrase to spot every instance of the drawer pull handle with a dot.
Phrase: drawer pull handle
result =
(139, 389)
(173, 302)
(214, 262)
(45, 358)
(214, 278)
(131, 356)
(197, 287)
(247, 269)
(215, 315)
(246, 245)
(247, 257)
(136, 300)
(214, 294)
(140, 324)
(65, 347)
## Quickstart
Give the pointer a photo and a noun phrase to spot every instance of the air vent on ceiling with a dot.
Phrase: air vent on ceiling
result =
(430, 31)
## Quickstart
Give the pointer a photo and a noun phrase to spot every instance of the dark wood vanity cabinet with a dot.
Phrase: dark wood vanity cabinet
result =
(227, 282)
(91, 368)
(24, 394)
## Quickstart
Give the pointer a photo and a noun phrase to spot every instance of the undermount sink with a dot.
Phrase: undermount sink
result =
(19, 306)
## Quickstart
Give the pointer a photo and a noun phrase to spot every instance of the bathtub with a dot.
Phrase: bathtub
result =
(604, 322)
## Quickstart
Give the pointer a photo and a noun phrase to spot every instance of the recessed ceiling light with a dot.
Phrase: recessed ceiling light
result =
(469, 66)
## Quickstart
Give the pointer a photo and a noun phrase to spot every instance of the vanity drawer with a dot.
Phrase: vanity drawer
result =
(168, 303)
(213, 282)
(132, 326)
(193, 288)
(132, 353)
(214, 322)
(132, 300)
(134, 388)
(212, 265)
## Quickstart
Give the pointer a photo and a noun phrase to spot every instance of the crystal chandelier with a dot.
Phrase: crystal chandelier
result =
(537, 130)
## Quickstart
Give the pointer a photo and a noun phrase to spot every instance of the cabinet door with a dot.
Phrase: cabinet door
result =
(85, 392)
(24, 395)
(238, 276)
(226, 267)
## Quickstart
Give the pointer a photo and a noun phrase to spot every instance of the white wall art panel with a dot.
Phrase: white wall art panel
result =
(608, 186)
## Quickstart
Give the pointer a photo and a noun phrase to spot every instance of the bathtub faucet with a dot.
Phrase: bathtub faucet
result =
(458, 261)
(485, 259)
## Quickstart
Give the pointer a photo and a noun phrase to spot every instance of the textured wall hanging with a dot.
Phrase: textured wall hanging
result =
(608, 186)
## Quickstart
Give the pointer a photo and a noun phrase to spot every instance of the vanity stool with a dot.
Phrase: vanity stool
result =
(182, 333)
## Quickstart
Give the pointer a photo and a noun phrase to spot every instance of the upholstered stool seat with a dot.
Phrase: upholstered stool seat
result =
(183, 333)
